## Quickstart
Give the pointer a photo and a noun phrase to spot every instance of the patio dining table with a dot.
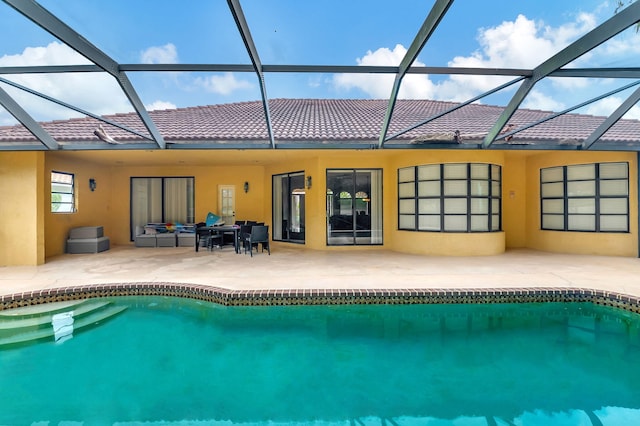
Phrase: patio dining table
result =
(207, 231)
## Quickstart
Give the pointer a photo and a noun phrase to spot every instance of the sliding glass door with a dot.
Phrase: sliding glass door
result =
(289, 207)
(161, 200)
(354, 206)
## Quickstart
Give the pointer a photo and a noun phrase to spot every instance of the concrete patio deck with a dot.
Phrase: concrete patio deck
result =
(293, 267)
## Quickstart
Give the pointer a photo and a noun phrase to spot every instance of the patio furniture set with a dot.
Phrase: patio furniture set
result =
(245, 235)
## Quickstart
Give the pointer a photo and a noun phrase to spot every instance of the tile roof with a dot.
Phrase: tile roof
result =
(309, 122)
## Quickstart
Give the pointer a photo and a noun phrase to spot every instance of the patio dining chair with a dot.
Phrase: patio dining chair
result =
(228, 236)
(258, 235)
(206, 237)
(243, 236)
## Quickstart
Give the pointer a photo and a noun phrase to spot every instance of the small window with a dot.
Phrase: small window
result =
(62, 192)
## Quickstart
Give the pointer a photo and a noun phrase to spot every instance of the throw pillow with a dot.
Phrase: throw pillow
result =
(212, 219)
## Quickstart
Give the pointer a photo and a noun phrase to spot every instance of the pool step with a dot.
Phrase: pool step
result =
(61, 326)
(44, 308)
(45, 316)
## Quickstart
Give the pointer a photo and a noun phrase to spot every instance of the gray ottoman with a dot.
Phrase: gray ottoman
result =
(145, 240)
(186, 239)
(87, 239)
(88, 245)
(84, 232)
(166, 240)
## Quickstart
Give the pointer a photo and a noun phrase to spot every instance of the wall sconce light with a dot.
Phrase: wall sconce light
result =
(308, 182)
(246, 187)
(92, 184)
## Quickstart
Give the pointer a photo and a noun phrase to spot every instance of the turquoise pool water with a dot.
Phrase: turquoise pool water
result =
(178, 361)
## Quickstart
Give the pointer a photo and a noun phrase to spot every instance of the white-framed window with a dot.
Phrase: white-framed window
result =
(62, 192)
(585, 197)
(452, 197)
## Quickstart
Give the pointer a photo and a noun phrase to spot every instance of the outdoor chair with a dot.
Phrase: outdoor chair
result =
(243, 235)
(228, 236)
(258, 235)
(207, 238)
(215, 240)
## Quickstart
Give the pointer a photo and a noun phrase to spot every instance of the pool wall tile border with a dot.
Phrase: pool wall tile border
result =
(229, 297)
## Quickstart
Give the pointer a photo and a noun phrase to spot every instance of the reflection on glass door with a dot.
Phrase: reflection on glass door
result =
(354, 206)
(289, 207)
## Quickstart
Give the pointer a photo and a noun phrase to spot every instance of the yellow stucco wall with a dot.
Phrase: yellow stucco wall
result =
(249, 206)
(34, 233)
(315, 165)
(426, 243)
(336, 159)
(22, 233)
(93, 208)
(314, 196)
(514, 199)
(109, 204)
(600, 243)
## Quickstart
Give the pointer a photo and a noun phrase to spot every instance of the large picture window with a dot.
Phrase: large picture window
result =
(62, 192)
(585, 197)
(456, 197)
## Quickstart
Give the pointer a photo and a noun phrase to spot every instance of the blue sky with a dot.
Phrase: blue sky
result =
(491, 33)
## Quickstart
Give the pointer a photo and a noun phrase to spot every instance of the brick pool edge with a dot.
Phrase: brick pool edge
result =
(272, 297)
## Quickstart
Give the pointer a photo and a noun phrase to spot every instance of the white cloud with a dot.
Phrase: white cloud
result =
(633, 113)
(54, 54)
(167, 54)
(607, 106)
(160, 105)
(379, 85)
(6, 119)
(315, 81)
(521, 43)
(223, 84)
(97, 93)
(524, 43)
(538, 100)
(620, 51)
(604, 107)
(502, 47)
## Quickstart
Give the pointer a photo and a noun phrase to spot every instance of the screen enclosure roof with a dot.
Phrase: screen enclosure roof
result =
(250, 74)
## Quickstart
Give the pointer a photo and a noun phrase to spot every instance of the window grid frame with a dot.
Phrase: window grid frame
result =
(441, 198)
(72, 193)
(597, 197)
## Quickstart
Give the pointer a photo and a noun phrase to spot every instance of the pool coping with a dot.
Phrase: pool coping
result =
(284, 297)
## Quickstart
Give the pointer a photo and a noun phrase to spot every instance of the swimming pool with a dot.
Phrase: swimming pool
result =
(167, 360)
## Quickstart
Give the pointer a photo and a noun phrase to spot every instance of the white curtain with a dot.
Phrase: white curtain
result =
(177, 202)
(150, 204)
(146, 201)
(277, 207)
